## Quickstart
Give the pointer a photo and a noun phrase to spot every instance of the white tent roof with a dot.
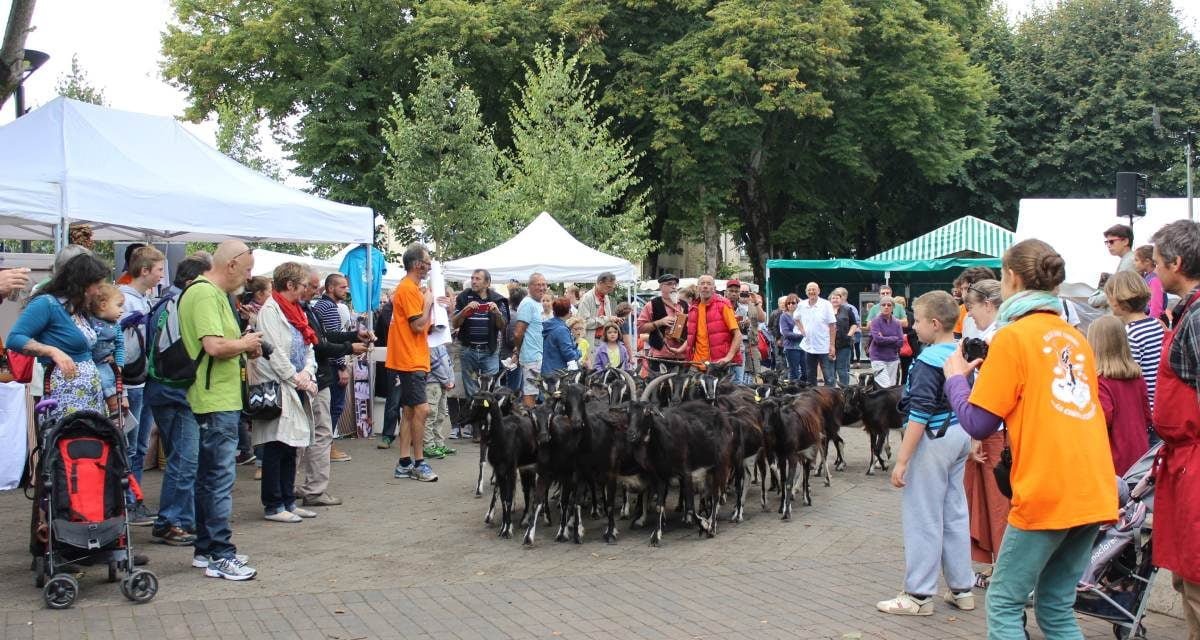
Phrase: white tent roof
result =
(134, 176)
(1075, 228)
(547, 248)
(265, 262)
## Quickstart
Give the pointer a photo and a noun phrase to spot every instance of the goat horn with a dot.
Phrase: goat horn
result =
(648, 392)
(630, 383)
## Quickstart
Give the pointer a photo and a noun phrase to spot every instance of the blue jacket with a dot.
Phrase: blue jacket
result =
(924, 401)
(46, 320)
(787, 325)
(558, 345)
(441, 369)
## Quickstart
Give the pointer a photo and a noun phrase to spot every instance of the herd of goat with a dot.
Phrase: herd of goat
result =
(608, 433)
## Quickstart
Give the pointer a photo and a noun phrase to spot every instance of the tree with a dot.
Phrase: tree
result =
(12, 48)
(566, 161)
(1079, 91)
(442, 162)
(238, 124)
(75, 85)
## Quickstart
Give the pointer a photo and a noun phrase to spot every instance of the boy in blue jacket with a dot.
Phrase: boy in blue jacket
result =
(929, 469)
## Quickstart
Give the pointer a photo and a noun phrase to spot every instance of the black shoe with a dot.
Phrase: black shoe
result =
(246, 458)
(140, 516)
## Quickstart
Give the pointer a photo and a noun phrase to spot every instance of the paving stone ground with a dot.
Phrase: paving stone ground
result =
(402, 559)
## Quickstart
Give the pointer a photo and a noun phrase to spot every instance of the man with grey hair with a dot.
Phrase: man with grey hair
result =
(408, 355)
(596, 307)
(816, 320)
(1177, 417)
(527, 338)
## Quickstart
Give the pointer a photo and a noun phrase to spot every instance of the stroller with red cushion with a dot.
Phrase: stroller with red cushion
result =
(80, 509)
(1116, 585)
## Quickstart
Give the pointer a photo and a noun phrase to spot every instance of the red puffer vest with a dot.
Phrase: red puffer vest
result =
(719, 337)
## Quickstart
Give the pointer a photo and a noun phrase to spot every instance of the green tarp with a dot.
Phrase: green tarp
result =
(907, 277)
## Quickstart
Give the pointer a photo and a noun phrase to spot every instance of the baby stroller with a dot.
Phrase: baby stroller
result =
(79, 507)
(1116, 585)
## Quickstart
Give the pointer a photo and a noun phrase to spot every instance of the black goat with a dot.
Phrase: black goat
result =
(511, 451)
(559, 437)
(793, 433)
(879, 412)
(741, 407)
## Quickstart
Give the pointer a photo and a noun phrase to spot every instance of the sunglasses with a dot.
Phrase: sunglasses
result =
(790, 304)
(1111, 241)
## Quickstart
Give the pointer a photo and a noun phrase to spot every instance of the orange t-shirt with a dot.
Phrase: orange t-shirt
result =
(1040, 377)
(962, 315)
(407, 350)
(700, 350)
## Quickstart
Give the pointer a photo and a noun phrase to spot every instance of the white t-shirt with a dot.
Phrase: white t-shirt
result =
(815, 320)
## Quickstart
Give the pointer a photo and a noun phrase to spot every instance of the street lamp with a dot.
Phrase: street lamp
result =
(32, 61)
(1189, 138)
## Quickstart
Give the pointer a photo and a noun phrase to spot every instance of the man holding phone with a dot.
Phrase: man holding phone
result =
(480, 322)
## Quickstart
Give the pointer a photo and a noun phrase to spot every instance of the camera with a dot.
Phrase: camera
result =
(974, 349)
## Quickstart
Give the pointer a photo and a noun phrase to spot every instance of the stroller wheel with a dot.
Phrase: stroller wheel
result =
(61, 591)
(1123, 633)
(140, 586)
(39, 572)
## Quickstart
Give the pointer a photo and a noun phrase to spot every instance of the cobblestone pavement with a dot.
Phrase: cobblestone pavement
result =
(403, 559)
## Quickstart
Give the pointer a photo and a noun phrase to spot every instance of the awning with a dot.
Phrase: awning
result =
(910, 277)
(967, 237)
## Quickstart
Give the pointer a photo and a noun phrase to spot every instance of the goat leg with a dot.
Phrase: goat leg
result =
(527, 484)
(760, 464)
(656, 537)
(840, 463)
(491, 512)
(577, 530)
(482, 462)
(507, 489)
(539, 504)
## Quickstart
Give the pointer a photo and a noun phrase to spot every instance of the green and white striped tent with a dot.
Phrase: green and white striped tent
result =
(967, 237)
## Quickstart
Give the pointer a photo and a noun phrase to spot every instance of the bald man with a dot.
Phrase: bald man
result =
(212, 337)
(817, 322)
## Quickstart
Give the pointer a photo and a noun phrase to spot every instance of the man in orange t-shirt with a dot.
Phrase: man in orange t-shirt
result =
(408, 356)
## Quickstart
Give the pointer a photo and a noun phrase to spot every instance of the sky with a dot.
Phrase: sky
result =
(117, 42)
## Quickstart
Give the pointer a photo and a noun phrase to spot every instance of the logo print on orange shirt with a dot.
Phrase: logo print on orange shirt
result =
(1070, 392)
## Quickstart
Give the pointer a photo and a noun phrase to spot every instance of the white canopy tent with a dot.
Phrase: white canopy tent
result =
(1075, 228)
(546, 247)
(134, 176)
(265, 262)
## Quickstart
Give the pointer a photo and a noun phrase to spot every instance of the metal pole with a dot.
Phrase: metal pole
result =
(1188, 143)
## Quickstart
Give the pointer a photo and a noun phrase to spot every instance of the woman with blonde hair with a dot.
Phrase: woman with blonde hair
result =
(1127, 295)
(293, 365)
(987, 506)
(1122, 392)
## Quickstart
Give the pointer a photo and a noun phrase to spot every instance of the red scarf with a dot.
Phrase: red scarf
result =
(296, 317)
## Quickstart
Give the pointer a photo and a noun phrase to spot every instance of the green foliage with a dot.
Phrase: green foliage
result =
(75, 85)
(443, 162)
(566, 161)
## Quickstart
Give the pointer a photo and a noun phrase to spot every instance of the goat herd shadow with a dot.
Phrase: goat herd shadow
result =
(608, 446)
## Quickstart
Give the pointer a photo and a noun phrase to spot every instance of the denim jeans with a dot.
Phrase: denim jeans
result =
(337, 402)
(795, 361)
(842, 366)
(474, 364)
(139, 440)
(278, 489)
(179, 435)
(244, 446)
(814, 360)
(214, 483)
(1048, 562)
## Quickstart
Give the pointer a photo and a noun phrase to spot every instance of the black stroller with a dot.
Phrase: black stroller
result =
(79, 507)
(1116, 585)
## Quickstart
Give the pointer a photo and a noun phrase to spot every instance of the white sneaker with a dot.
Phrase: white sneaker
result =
(906, 605)
(304, 513)
(964, 601)
(200, 561)
(229, 569)
(283, 516)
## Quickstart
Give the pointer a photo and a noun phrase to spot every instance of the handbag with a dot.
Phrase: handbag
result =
(1003, 472)
(906, 348)
(261, 400)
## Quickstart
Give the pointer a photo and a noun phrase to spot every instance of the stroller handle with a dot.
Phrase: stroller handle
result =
(46, 406)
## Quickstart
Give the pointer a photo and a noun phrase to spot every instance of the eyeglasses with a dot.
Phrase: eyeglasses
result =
(1111, 241)
(235, 258)
(886, 304)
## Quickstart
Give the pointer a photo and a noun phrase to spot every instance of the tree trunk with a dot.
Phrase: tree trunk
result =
(12, 50)
(712, 243)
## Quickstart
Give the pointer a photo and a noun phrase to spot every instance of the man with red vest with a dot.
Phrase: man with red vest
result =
(712, 329)
(1177, 418)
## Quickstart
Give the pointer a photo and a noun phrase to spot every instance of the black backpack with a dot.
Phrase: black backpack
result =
(167, 361)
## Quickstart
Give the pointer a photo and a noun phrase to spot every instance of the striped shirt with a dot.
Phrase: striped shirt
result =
(1145, 342)
(326, 311)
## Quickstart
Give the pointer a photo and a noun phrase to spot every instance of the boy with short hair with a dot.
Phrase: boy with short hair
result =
(930, 469)
(437, 385)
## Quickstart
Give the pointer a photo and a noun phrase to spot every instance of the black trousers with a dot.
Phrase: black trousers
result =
(278, 477)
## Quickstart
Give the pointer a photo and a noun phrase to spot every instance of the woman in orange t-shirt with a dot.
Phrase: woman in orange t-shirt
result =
(1041, 382)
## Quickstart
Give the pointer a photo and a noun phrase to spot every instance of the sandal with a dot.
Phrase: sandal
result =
(982, 580)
